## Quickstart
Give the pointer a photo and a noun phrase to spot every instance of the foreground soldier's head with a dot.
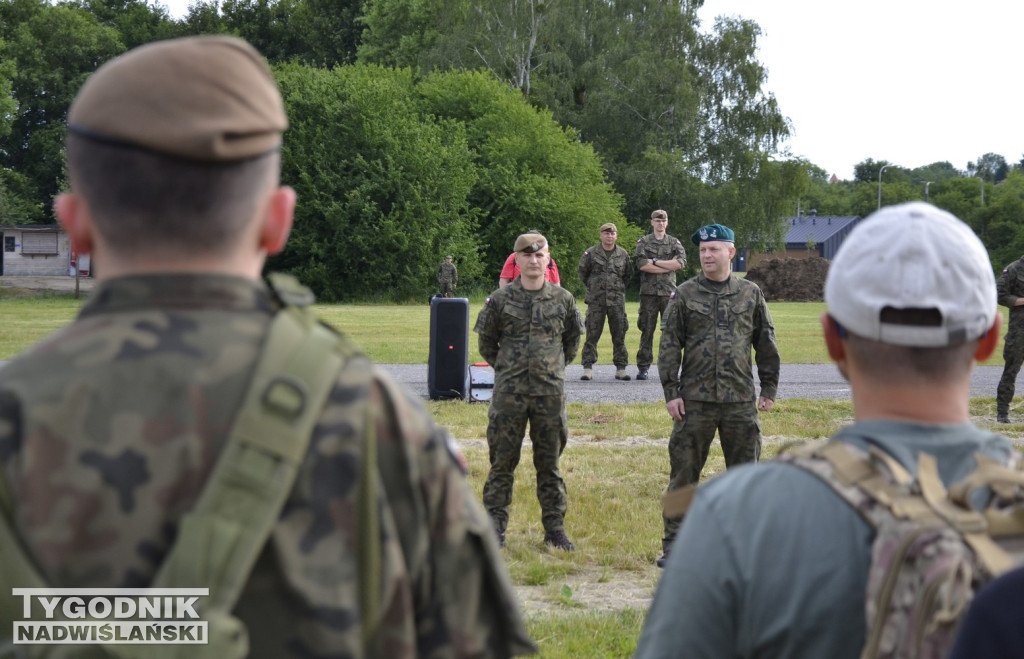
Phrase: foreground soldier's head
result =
(911, 305)
(173, 157)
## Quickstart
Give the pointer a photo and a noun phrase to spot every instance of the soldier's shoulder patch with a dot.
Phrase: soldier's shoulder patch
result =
(1004, 270)
(487, 301)
(679, 244)
(639, 240)
(586, 253)
(672, 295)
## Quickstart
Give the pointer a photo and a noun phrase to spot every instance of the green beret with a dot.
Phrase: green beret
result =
(713, 232)
(208, 98)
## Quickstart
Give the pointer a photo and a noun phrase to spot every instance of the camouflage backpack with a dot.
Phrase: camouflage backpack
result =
(219, 541)
(932, 550)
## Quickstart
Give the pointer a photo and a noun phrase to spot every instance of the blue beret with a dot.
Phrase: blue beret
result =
(713, 232)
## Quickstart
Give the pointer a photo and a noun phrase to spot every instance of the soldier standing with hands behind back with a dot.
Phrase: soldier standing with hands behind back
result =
(605, 269)
(528, 331)
(711, 324)
(658, 257)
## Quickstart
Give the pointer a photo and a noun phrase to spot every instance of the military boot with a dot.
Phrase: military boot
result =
(588, 373)
(620, 374)
(1002, 417)
(559, 540)
(641, 374)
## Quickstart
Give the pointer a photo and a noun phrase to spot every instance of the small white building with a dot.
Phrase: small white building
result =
(39, 250)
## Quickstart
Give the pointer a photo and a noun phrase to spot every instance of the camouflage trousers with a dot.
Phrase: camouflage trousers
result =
(1013, 355)
(647, 322)
(549, 431)
(739, 431)
(446, 288)
(618, 324)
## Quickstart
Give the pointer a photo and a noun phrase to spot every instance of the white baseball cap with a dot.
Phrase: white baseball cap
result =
(912, 256)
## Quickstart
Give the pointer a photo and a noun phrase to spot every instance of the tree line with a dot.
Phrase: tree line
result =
(423, 129)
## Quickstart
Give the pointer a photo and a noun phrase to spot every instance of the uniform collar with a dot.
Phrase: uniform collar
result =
(179, 291)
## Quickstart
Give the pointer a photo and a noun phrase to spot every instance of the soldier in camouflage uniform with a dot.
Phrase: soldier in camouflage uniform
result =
(528, 331)
(771, 561)
(110, 428)
(1010, 290)
(605, 269)
(711, 324)
(447, 277)
(658, 257)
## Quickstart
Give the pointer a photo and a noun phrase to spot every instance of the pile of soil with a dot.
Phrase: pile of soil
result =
(791, 280)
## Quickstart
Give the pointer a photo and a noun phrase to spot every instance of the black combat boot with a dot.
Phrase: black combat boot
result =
(559, 540)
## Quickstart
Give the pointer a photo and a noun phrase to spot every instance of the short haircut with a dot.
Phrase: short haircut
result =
(150, 203)
(911, 365)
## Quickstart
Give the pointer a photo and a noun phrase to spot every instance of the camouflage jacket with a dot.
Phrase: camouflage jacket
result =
(448, 272)
(110, 428)
(605, 276)
(1009, 287)
(648, 248)
(706, 338)
(529, 337)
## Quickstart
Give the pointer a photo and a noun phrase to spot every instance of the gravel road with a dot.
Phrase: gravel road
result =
(815, 381)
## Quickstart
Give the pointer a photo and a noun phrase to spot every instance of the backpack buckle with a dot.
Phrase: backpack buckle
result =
(286, 396)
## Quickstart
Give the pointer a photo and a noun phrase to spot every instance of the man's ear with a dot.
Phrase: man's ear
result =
(74, 216)
(989, 340)
(277, 220)
(833, 342)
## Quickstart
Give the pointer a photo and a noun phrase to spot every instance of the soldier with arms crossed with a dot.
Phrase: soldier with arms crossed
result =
(110, 429)
(658, 257)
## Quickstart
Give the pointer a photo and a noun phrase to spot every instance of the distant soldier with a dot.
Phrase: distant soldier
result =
(1010, 289)
(447, 276)
(658, 257)
(119, 448)
(605, 269)
(711, 324)
(528, 331)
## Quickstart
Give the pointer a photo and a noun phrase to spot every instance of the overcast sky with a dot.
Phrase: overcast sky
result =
(911, 82)
(908, 81)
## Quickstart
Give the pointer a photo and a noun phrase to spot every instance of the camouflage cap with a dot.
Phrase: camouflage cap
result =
(713, 232)
(448, 257)
(608, 226)
(530, 243)
(207, 98)
(659, 215)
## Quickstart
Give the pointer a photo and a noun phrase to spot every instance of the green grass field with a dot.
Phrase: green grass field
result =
(399, 334)
(590, 603)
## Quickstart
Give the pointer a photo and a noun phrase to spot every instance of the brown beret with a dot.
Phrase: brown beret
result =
(208, 98)
(608, 226)
(530, 243)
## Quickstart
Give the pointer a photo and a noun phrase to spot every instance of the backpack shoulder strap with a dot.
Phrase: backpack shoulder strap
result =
(221, 538)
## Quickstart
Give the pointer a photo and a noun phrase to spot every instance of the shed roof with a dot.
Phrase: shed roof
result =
(818, 228)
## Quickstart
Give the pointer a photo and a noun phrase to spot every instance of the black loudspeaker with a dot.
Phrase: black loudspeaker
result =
(449, 348)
